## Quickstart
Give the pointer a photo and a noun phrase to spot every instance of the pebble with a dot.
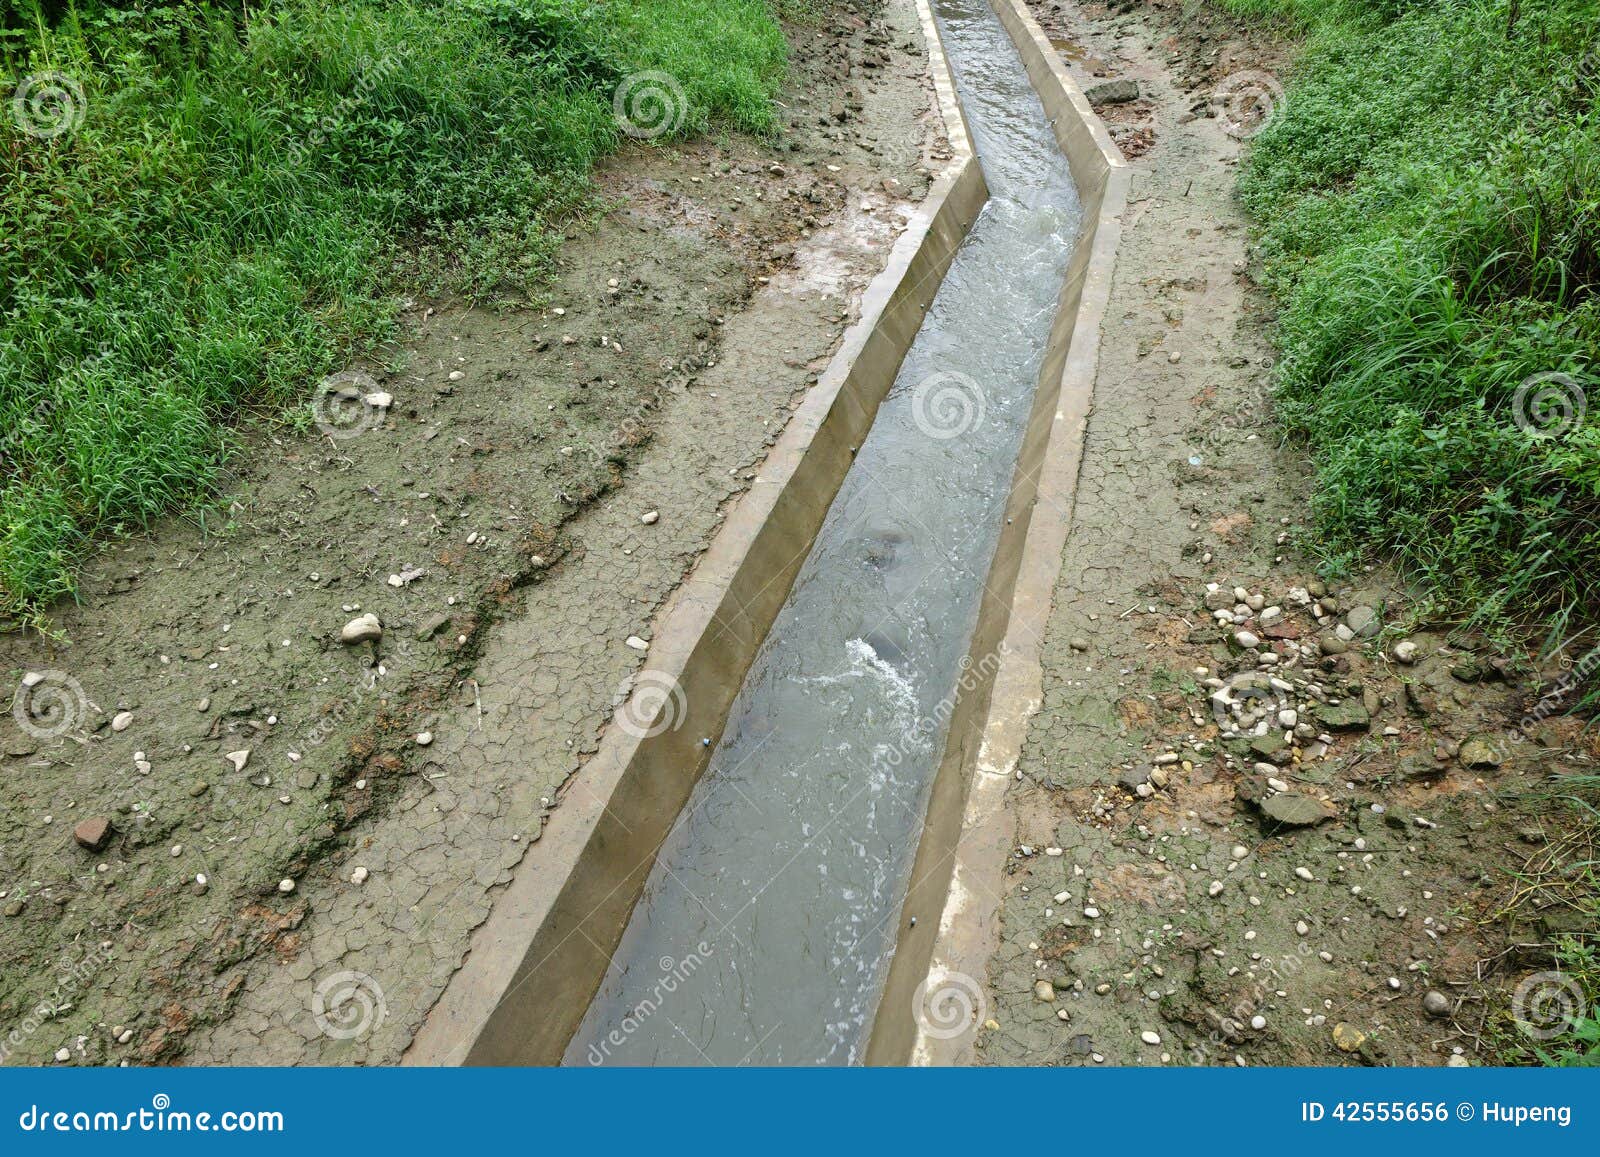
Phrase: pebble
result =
(650, 517)
(424, 738)
(238, 758)
(456, 375)
(63, 1055)
(1258, 1022)
(1405, 651)
(637, 643)
(1436, 1003)
(1304, 873)
(1092, 913)
(122, 720)
(286, 885)
(1240, 852)
(1044, 990)
(1150, 1038)
(361, 629)
(1216, 888)
(1247, 639)
(359, 876)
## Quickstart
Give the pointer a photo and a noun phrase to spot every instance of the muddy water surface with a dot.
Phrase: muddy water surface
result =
(765, 930)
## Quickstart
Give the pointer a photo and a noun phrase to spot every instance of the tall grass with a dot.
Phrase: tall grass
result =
(251, 184)
(1429, 202)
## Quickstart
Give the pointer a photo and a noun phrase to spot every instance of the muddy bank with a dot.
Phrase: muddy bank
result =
(1272, 837)
(537, 484)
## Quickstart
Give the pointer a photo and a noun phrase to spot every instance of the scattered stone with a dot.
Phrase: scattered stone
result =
(286, 885)
(1290, 809)
(424, 738)
(1342, 717)
(93, 833)
(1079, 644)
(122, 720)
(650, 517)
(1249, 640)
(1436, 1003)
(1150, 1038)
(359, 876)
(1304, 873)
(1348, 1037)
(238, 758)
(63, 1055)
(1112, 92)
(361, 629)
(1405, 651)
(1044, 990)
(637, 643)
(1479, 753)
(1363, 620)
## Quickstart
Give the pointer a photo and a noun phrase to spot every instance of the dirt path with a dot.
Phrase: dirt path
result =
(538, 484)
(1281, 882)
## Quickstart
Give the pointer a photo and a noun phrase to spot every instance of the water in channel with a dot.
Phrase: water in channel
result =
(765, 930)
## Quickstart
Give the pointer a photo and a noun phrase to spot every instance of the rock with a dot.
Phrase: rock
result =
(650, 517)
(1290, 809)
(1304, 873)
(286, 885)
(1363, 620)
(1332, 644)
(361, 629)
(13, 909)
(1134, 778)
(1079, 644)
(1150, 1038)
(1405, 651)
(1479, 753)
(204, 705)
(1436, 1004)
(1348, 1037)
(424, 738)
(637, 643)
(1249, 640)
(238, 758)
(359, 876)
(1457, 1061)
(456, 375)
(1215, 888)
(122, 720)
(1218, 600)
(92, 833)
(379, 400)
(1044, 990)
(1112, 92)
(1345, 716)
(63, 1055)
(198, 789)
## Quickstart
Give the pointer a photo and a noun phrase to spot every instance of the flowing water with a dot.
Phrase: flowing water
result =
(765, 930)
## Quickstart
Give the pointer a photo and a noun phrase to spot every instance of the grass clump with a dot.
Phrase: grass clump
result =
(207, 205)
(1429, 202)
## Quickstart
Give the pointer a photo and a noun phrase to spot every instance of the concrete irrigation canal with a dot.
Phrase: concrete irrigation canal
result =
(755, 868)
(772, 906)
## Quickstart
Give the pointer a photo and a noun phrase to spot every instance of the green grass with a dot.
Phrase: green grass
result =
(1429, 206)
(249, 188)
